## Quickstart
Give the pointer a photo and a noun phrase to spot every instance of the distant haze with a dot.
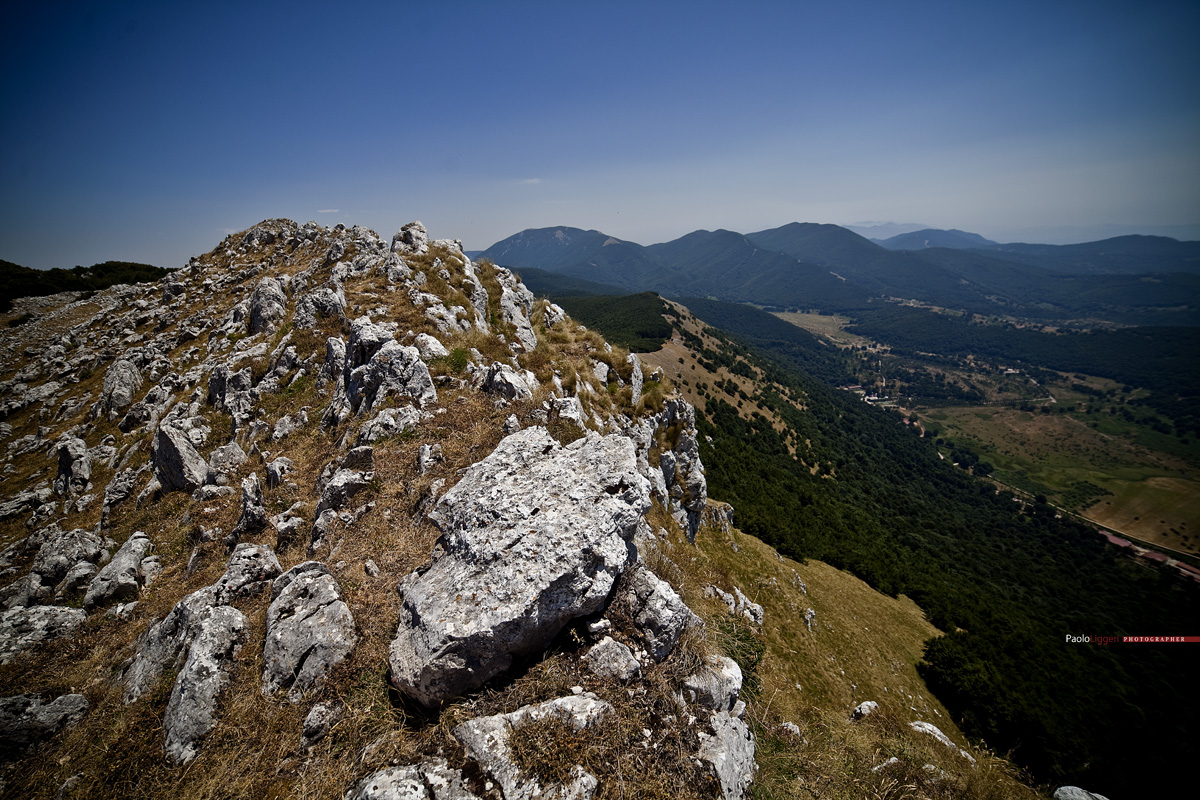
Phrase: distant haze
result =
(147, 131)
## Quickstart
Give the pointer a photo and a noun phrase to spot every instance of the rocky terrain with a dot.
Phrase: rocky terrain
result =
(320, 515)
(320, 488)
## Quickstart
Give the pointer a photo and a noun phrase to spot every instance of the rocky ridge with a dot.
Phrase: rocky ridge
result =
(314, 475)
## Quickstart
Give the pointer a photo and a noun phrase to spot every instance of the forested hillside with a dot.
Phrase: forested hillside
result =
(848, 483)
(17, 281)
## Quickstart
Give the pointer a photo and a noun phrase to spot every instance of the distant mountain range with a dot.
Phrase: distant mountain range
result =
(1125, 280)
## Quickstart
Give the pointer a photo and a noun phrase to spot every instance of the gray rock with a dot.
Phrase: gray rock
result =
(74, 467)
(553, 315)
(411, 239)
(164, 644)
(658, 611)
(395, 370)
(534, 536)
(177, 465)
(637, 381)
(59, 552)
(505, 381)
(751, 611)
(120, 578)
(227, 459)
(310, 630)
(26, 720)
(716, 685)
(288, 424)
(427, 456)
(118, 489)
(429, 347)
(192, 708)
(23, 628)
(430, 780)
(326, 301)
(268, 305)
(388, 422)
(233, 392)
(729, 751)
(249, 569)
(318, 722)
(76, 580)
(611, 659)
(121, 384)
(254, 516)
(486, 741)
(334, 366)
(360, 458)
(277, 470)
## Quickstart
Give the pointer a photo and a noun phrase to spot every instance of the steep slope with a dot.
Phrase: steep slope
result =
(818, 473)
(213, 485)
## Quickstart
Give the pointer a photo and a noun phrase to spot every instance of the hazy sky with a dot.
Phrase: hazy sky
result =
(146, 131)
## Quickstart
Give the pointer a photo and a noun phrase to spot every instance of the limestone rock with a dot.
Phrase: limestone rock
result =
(277, 470)
(120, 578)
(393, 370)
(429, 347)
(309, 631)
(227, 459)
(486, 741)
(23, 628)
(716, 685)
(177, 464)
(729, 751)
(249, 569)
(74, 467)
(430, 780)
(268, 304)
(411, 239)
(327, 301)
(534, 535)
(611, 659)
(121, 383)
(389, 422)
(192, 708)
(505, 381)
(659, 612)
(318, 722)
(254, 516)
(26, 719)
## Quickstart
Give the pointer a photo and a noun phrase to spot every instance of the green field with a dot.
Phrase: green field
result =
(1075, 458)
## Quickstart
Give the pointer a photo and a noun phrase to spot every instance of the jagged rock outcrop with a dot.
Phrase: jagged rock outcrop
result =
(486, 740)
(121, 384)
(74, 466)
(310, 630)
(534, 535)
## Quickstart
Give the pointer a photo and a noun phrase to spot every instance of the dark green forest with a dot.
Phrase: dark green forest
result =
(1008, 581)
(17, 281)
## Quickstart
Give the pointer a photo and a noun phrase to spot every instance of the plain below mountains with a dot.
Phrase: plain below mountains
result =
(1127, 280)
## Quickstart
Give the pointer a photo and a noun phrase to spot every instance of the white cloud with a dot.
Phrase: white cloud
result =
(530, 181)
(328, 210)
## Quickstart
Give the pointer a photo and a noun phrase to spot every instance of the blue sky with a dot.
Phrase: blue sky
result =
(146, 131)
